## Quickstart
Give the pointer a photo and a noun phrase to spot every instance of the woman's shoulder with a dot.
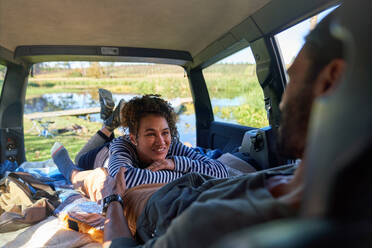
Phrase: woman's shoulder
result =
(176, 143)
(178, 147)
(123, 140)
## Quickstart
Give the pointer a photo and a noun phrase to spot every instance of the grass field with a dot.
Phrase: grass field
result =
(169, 81)
(38, 147)
(224, 81)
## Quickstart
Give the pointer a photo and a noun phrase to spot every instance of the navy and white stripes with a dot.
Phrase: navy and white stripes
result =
(123, 153)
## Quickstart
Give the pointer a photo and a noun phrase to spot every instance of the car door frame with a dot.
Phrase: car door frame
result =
(271, 76)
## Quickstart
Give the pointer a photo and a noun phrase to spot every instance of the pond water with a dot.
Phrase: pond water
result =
(65, 101)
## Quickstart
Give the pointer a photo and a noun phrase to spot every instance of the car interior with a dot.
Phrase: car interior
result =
(165, 38)
(338, 172)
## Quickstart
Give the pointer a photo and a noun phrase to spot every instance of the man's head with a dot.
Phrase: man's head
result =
(315, 72)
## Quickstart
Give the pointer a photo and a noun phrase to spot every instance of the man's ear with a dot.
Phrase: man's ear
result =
(132, 138)
(330, 77)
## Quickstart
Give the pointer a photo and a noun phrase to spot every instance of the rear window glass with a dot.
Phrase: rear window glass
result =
(62, 86)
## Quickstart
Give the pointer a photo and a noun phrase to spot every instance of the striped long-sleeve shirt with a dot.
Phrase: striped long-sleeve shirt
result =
(123, 153)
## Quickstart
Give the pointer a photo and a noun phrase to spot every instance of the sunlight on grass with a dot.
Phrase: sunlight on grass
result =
(227, 82)
(38, 147)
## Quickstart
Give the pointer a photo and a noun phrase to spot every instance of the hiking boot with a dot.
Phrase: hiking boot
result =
(106, 102)
(113, 121)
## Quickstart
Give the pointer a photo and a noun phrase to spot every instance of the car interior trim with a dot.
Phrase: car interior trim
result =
(35, 54)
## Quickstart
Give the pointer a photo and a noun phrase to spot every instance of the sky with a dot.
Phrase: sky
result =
(290, 42)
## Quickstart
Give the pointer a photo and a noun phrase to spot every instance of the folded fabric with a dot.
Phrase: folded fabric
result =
(18, 218)
(80, 214)
(83, 215)
(235, 166)
(24, 200)
(45, 171)
(47, 233)
(88, 223)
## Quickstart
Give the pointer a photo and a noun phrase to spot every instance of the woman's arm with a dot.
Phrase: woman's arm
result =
(122, 154)
(187, 160)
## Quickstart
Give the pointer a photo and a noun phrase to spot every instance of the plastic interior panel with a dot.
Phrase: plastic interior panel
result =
(226, 136)
(202, 105)
(11, 114)
(34, 54)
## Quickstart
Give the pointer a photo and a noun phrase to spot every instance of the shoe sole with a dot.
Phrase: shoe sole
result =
(117, 110)
(106, 97)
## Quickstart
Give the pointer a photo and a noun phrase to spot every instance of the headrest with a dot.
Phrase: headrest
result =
(340, 131)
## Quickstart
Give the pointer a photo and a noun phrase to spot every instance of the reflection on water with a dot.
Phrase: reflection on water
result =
(59, 101)
(186, 128)
(236, 101)
(65, 101)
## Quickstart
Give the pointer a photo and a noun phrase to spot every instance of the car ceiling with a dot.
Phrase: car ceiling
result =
(201, 28)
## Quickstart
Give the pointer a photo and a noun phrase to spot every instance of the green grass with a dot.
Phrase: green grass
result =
(38, 147)
(223, 82)
(168, 81)
(230, 81)
(168, 87)
(245, 115)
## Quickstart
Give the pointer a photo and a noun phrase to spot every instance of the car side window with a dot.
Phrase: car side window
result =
(291, 40)
(2, 77)
(235, 92)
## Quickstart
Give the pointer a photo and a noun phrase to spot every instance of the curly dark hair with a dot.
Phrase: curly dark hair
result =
(139, 107)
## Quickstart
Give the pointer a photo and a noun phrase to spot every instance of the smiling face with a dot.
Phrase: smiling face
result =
(153, 138)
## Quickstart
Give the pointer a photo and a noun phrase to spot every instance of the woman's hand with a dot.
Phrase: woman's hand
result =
(114, 185)
(165, 164)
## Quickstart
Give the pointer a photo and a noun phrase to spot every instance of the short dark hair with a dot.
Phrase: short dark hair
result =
(138, 107)
(322, 46)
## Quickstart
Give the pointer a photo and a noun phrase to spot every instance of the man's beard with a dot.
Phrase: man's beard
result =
(294, 123)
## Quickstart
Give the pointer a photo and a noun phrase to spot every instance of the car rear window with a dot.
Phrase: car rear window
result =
(73, 86)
